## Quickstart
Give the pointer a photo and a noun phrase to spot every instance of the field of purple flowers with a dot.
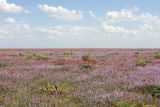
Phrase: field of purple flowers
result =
(80, 78)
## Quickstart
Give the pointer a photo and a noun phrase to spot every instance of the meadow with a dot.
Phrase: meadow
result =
(79, 77)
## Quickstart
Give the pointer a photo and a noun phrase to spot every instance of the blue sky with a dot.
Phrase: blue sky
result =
(79, 24)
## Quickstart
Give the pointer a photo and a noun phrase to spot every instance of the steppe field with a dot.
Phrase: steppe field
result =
(79, 77)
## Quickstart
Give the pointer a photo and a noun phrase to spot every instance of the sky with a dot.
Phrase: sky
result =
(79, 24)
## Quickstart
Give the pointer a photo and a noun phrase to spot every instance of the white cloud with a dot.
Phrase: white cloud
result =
(11, 7)
(132, 14)
(120, 15)
(145, 24)
(94, 16)
(16, 24)
(69, 32)
(9, 20)
(61, 13)
(148, 29)
(12, 29)
(114, 29)
(2, 32)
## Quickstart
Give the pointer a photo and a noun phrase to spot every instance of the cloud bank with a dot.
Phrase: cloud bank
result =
(61, 13)
(11, 7)
(125, 24)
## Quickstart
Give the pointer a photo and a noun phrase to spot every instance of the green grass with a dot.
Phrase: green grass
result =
(86, 66)
(68, 53)
(153, 90)
(157, 55)
(2, 64)
(141, 63)
(109, 89)
(36, 57)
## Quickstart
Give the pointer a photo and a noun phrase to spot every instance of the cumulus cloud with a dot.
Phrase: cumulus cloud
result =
(61, 13)
(28, 32)
(11, 7)
(114, 29)
(147, 28)
(69, 32)
(124, 14)
(132, 14)
(3, 32)
(9, 20)
(130, 22)
(12, 29)
(92, 14)
(16, 24)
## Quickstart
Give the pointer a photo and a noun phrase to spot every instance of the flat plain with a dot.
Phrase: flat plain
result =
(79, 77)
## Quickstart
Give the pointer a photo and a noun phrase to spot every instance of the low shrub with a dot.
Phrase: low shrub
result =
(36, 57)
(157, 55)
(68, 53)
(30, 57)
(86, 66)
(20, 54)
(153, 90)
(50, 89)
(87, 57)
(3, 64)
(141, 63)
(41, 58)
(128, 104)
(136, 53)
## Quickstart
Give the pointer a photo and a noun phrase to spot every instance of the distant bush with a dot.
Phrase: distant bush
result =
(86, 66)
(41, 58)
(157, 55)
(87, 57)
(50, 89)
(136, 53)
(36, 57)
(50, 53)
(20, 54)
(3, 64)
(68, 53)
(35, 54)
(30, 57)
(157, 52)
(141, 63)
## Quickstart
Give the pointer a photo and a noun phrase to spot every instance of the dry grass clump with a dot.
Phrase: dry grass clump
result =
(36, 57)
(87, 57)
(141, 63)
(157, 55)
